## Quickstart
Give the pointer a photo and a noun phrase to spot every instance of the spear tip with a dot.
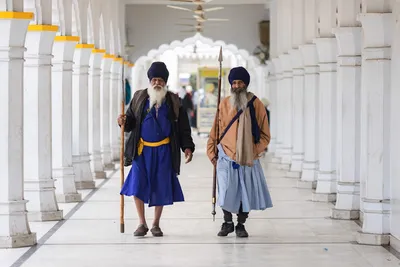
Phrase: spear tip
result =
(220, 58)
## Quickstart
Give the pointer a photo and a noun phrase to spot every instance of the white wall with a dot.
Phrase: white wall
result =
(150, 26)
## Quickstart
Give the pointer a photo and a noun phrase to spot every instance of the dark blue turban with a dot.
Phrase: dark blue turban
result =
(158, 70)
(239, 73)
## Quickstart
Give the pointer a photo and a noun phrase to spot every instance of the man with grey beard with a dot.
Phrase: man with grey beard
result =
(159, 130)
(244, 135)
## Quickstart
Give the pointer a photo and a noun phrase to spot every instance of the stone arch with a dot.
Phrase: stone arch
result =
(112, 40)
(118, 42)
(94, 14)
(90, 28)
(102, 34)
(76, 25)
(143, 62)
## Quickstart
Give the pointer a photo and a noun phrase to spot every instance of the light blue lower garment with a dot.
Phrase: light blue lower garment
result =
(241, 184)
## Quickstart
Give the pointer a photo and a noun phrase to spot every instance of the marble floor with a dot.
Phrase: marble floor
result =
(296, 232)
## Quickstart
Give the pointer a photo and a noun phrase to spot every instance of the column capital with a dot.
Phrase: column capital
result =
(63, 50)
(277, 65)
(106, 64)
(96, 60)
(296, 59)
(285, 62)
(327, 49)
(13, 28)
(349, 40)
(378, 29)
(82, 56)
(310, 55)
(40, 39)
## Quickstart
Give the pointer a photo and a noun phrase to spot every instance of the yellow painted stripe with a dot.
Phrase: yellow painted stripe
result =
(119, 59)
(16, 15)
(80, 46)
(126, 62)
(108, 56)
(42, 28)
(67, 39)
(131, 65)
(98, 51)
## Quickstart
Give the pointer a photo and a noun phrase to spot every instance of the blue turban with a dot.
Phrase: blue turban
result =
(158, 70)
(239, 73)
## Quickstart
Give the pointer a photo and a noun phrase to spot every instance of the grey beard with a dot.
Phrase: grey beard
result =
(156, 96)
(238, 99)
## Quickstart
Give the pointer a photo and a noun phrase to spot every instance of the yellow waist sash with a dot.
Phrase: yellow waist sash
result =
(143, 143)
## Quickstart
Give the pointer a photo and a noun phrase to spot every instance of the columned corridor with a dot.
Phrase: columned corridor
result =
(295, 232)
(332, 165)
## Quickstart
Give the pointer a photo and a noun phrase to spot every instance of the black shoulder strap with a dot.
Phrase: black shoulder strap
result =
(235, 119)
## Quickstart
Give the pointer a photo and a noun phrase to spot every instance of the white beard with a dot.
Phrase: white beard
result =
(156, 96)
(238, 100)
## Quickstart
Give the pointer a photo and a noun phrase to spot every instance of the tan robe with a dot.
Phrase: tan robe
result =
(229, 141)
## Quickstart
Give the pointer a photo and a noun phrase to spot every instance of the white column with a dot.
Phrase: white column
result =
(287, 85)
(297, 115)
(272, 108)
(348, 37)
(272, 78)
(395, 141)
(279, 110)
(94, 114)
(327, 53)
(63, 171)
(114, 107)
(14, 226)
(378, 24)
(39, 183)
(105, 85)
(298, 89)
(80, 122)
(311, 115)
(311, 96)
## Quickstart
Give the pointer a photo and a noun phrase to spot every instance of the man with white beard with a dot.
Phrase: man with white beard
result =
(159, 130)
(244, 135)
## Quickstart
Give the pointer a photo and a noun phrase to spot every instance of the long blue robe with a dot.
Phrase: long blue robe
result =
(152, 178)
(241, 185)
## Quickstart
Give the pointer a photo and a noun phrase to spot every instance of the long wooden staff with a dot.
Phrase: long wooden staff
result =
(214, 189)
(122, 149)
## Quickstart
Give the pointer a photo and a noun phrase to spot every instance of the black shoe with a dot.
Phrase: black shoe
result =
(156, 231)
(226, 228)
(241, 231)
(141, 230)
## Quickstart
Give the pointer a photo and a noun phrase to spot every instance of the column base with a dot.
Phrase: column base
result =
(345, 214)
(306, 184)
(297, 162)
(286, 158)
(272, 146)
(100, 175)
(18, 241)
(372, 239)
(283, 167)
(309, 171)
(83, 173)
(82, 185)
(395, 243)
(275, 159)
(323, 197)
(115, 152)
(109, 167)
(45, 216)
(69, 198)
(293, 174)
